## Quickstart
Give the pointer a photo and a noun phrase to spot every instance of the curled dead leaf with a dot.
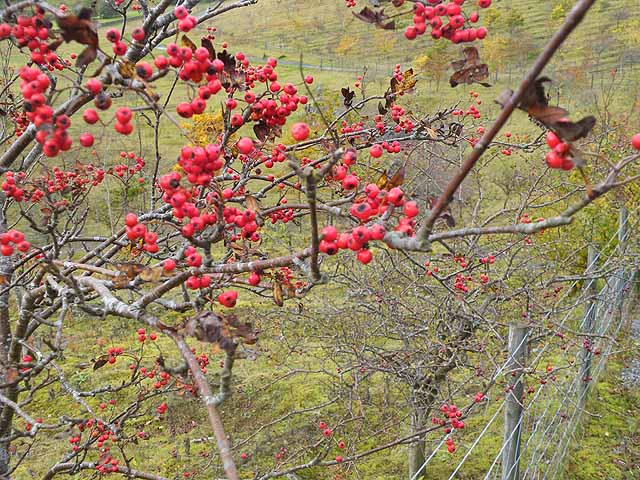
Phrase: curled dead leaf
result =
(405, 85)
(470, 69)
(375, 17)
(536, 103)
(100, 362)
(221, 330)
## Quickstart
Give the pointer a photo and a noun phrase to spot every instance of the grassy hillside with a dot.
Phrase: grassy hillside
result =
(329, 35)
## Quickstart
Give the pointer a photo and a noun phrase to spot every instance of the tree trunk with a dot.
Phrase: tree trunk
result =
(417, 450)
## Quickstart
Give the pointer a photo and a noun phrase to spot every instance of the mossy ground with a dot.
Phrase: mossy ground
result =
(607, 444)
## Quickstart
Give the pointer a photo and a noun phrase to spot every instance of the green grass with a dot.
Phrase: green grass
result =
(317, 28)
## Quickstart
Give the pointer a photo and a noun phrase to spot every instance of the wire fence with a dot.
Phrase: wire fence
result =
(536, 446)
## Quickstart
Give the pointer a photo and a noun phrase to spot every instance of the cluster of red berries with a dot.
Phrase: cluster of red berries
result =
(348, 128)
(108, 464)
(52, 132)
(33, 33)
(192, 257)
(447, 20)
(19, 189)
(281, 454)
(11, 190)
(430, 271)
(452, 412)
(164, 380)
(460, 282)
(472, 111)
(113, 353)
(200, 163)
(16, 238)
(162, 409)
(245, 220)
(203, 360)
(356, 241)
(194, 282)
(20, 120)
(284, 216)
(451, 446)
(273, 114)
(119, 47)
(186, 22)
(558, 156)
(122, 169)
(123, 123)
(490, 259)
(179, 198)
(326, 431)
(588, 345)
(142, 337)
(102, 100)
(525, 218)
(29, 426)
(26, 359)
(286, 277)
(138, 231)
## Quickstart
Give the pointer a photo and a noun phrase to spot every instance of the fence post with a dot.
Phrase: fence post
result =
(589, 323)
(622, 232)
(518, 339)
(622, 247)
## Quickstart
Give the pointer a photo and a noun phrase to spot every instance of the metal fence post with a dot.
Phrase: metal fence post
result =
(589, 323)
(518, 339)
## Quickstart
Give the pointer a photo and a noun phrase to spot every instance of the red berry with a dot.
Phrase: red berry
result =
(94, 86)
(635, 141)
(113, 35)
(300, 131)
(123, 114)
(365, 256)
(137, 34)
(184, 109)
(554, 160)
(102, 101)
(245, 145)
(410, 32)
(123, 128)
(181, 12)
(131, 220)
(329, 233)
(86, 139)
(375, 151)
(228, 298)
(410, 209)
(552, 140)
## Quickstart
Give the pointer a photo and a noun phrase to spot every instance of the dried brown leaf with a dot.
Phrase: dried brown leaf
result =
(100, 362)
(278, 298)
(252, 203)
(470, 69)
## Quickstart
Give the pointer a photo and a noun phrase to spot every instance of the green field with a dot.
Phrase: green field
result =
(293, 369)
